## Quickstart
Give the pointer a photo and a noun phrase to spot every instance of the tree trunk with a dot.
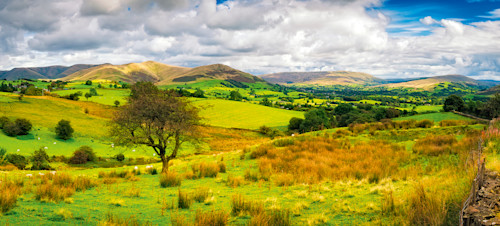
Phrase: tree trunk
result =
(165, 161)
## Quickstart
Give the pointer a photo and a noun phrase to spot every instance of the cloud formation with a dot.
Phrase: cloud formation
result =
(258, 36)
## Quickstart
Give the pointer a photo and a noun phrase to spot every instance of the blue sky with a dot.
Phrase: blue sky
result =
(389, 39)
(409, 13)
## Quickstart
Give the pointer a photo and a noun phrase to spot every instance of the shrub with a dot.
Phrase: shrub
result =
(83, 155)
(24, 126)
(213, 217)
(426, 123)
(17, 160)
(184, 200)
(10, 129)
(40, 160)
(3, 120)
(170, 179)
(79, 157)
(19, 127)
(64, 130)
(120, 157)
(445, 123)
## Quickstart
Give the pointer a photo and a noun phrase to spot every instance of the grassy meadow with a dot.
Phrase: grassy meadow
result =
(414, 170)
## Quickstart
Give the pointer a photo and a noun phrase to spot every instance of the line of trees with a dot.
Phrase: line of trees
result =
(489, 109)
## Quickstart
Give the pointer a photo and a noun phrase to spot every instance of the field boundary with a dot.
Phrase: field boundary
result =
(476, 184)
(486, 121)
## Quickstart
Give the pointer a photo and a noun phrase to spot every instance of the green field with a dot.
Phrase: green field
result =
(106, 96)
(436, 117)
(235, 114)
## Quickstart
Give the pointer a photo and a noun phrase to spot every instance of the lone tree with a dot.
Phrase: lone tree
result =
(454, 103)
(155, 118)
(64, 129)
(117, 103)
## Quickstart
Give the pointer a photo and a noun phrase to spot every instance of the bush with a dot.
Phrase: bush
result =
(24, 126)
(426, 123)
(64, 130)
(17, 160)
(10, 129)
(40, 160)
(19, 127)
(170, 179)
(79, 157)
(3, 120)
(83, 155)
(120, 157)
(295, 123)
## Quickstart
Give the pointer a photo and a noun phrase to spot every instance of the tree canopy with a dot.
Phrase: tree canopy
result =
(155, 118)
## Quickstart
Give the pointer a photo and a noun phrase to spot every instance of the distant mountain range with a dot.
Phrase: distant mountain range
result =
(357, 78)
(323, 78)
(51, 72)
(163, 74)
(430, 82)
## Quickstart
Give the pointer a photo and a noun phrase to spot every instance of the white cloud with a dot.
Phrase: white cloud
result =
(258, 36)
(428, 20)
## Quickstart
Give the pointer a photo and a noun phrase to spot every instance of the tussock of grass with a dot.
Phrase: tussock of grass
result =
(240, 206)
(213, 217)
(271, 217)
(200, 194)
(234, 181)
(170, 179)
(113, 220)
(184, 200)
(9, 191)
(435, 145)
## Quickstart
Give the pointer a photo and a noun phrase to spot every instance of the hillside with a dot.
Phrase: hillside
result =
(50, 72)
(322, 78)
(490, 91)
(214, 71)
(162, 74)
(146, 71)
(430, 82)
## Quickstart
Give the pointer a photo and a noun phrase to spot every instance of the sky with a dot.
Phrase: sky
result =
(388, 39)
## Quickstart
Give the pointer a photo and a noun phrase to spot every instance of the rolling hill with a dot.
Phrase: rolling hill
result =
(146, 71)
(162, 74)
(323, 78)
(491, 91)
(429, 83)
(50, 72)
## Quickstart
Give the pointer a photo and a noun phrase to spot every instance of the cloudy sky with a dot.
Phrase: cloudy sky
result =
(389, 39)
